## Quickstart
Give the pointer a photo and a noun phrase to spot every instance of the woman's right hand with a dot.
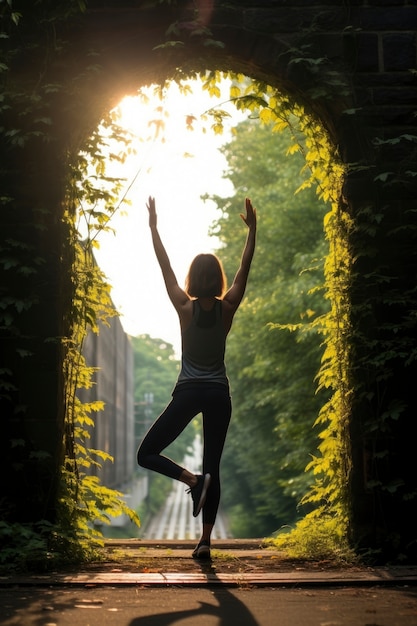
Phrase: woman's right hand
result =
(250, 217)
(152, 212)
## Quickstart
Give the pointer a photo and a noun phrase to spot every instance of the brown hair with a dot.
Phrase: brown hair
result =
(206, 277)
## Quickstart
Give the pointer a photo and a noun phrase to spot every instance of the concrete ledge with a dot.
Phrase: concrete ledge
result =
(162, 557)
(230, 542)
(377, 576)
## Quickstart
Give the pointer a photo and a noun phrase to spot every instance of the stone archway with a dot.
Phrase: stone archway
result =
(100, 55)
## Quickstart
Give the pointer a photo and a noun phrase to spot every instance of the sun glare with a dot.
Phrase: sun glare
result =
(175, 158)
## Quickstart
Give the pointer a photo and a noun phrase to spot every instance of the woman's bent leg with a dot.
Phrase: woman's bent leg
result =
(164, 431)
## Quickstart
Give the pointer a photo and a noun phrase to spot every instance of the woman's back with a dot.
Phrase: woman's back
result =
(203, 345)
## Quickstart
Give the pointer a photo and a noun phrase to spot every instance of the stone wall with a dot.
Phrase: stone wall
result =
(353, 64)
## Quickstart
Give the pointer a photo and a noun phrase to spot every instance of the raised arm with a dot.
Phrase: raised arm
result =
(177, 295)
(234, 295)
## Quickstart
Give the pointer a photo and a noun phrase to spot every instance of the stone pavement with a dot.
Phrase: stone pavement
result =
(175, 520)
(235, 563)
(158, 584)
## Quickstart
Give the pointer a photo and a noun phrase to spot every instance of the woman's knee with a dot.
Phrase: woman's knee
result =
(142, 456)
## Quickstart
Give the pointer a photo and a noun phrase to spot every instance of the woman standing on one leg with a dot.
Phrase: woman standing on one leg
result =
(206, 312)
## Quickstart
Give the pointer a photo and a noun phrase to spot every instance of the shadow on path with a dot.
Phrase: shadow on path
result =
(228, 610)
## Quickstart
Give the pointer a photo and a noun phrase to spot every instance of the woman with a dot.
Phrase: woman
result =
(205, 311)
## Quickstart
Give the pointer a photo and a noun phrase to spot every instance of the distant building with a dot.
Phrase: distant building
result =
(111, 351)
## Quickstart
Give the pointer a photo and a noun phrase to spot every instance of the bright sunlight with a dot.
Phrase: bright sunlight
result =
(175, 158)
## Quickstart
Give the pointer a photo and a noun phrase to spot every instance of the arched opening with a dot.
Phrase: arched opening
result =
(264, 105)
(94, 89)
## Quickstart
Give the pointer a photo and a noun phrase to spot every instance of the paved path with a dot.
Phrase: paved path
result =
(207, 595)
(135, 606)
(213, 580)
(175, 520)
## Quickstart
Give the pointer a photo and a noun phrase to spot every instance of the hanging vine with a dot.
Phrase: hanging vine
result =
(93, 198)
(329, 494)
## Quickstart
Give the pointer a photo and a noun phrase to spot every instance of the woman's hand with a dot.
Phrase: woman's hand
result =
(250, 217)
(152, 212)
(234, 296)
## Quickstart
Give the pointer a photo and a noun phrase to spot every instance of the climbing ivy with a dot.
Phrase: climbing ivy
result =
(328, 496)
(359, 358)
(92, 199)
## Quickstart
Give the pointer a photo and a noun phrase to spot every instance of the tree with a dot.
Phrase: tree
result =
(271, 361)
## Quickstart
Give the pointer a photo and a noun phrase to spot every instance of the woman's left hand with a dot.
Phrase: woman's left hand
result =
(152, 212)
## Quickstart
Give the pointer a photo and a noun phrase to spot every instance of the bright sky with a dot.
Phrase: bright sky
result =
(176, 182)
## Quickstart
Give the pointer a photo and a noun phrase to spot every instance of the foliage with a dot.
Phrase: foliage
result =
(24, 546)
(369, 361)
(322, 540)
(271, 369)
(322, 170)
(93, 198)
(193, 24)
(27, 129)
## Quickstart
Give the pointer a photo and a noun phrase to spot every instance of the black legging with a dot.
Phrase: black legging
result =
(213, 401)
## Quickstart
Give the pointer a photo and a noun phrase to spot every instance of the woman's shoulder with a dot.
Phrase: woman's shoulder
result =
(227, 313)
